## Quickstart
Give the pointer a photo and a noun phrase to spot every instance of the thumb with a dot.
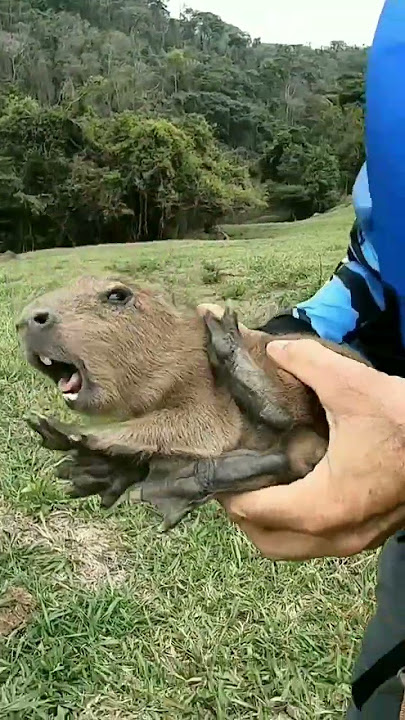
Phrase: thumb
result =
(218, 311)
(319, 367)
(205, 308)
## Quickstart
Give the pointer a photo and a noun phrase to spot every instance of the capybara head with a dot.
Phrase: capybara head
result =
(110, 347)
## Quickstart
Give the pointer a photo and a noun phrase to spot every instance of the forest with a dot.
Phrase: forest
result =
(120, 123)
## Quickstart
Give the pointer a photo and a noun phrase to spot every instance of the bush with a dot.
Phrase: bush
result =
(71, 181)
(302, 178)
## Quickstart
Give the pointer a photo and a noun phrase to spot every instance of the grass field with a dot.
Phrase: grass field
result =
(100, 617)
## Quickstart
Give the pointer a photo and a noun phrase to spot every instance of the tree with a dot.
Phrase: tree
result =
(71, 180)
(301, 178)
(279, 109)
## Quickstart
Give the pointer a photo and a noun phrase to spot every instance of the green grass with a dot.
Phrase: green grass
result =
(195, 624)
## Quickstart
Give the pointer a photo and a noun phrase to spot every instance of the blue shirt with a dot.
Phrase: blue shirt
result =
(373, 272)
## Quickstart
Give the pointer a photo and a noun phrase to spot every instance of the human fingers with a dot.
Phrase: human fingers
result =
(218, 312)
(289, 545)
(282, 544)
(306, 505)
(322, 369)
(205, 308)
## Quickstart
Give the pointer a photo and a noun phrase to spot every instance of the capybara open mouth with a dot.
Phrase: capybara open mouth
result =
(67, 376)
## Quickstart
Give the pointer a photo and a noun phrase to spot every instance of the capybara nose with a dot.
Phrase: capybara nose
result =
(36, 319)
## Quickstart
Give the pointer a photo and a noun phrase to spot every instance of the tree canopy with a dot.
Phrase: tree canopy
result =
(119, 122)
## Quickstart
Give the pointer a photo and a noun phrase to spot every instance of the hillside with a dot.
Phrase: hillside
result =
(120, 123)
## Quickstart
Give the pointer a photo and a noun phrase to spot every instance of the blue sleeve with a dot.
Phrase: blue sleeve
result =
(385, 146)
(353, 296)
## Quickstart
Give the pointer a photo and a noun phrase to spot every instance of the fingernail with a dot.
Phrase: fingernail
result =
(277, 345)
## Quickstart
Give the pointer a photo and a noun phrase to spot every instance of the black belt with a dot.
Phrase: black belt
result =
(390, 665)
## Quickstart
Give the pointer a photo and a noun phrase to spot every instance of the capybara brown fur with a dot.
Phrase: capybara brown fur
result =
(178, 389)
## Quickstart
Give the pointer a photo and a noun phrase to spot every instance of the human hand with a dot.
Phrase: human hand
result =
(218, 312)
(355, 498)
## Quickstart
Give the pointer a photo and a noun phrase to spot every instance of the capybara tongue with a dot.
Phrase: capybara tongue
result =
(73, 385)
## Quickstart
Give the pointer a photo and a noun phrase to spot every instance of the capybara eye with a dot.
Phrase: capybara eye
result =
(119, 296)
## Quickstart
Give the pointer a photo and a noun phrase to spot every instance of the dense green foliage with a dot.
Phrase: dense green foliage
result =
(91, 180)
(119, 122)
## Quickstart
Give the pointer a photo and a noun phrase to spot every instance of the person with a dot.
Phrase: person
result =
(355, 497)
